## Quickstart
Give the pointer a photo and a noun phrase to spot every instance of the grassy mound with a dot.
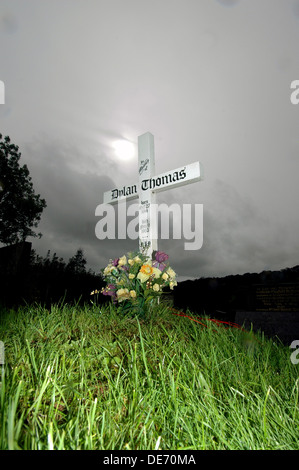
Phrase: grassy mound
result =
(91, 378)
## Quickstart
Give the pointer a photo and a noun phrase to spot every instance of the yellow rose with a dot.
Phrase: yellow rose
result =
(122, 260)
(156, 287)
(133, 293)
(108, 269)
(130, 262)
(165, 276)
(171, 272)
(131, 276)
(122, 294)
(172, 284)
(137, 259)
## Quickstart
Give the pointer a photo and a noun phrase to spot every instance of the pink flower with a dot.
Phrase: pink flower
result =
(160, 258)
(110, 290)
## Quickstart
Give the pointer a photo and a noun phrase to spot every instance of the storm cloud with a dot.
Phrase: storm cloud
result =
(210, 80)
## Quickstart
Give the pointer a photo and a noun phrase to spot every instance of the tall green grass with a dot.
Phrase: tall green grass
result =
(90, 378)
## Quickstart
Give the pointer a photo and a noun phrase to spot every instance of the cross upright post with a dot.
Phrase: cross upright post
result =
(147, 198)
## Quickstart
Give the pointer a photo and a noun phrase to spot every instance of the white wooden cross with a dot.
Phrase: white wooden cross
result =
(149, 184)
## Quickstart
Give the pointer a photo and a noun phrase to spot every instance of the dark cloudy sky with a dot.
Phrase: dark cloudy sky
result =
(210, 79)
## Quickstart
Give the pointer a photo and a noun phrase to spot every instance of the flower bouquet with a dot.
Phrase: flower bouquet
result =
(135, 282)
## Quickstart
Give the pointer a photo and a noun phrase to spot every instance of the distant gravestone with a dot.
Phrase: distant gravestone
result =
(277, 297)
(274, 310)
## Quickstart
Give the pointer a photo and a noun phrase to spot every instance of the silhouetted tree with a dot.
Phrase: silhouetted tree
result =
(20, 207)
(50, 279)
(77, 263)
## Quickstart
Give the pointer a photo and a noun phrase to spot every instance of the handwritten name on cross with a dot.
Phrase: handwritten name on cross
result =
(149, 184)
